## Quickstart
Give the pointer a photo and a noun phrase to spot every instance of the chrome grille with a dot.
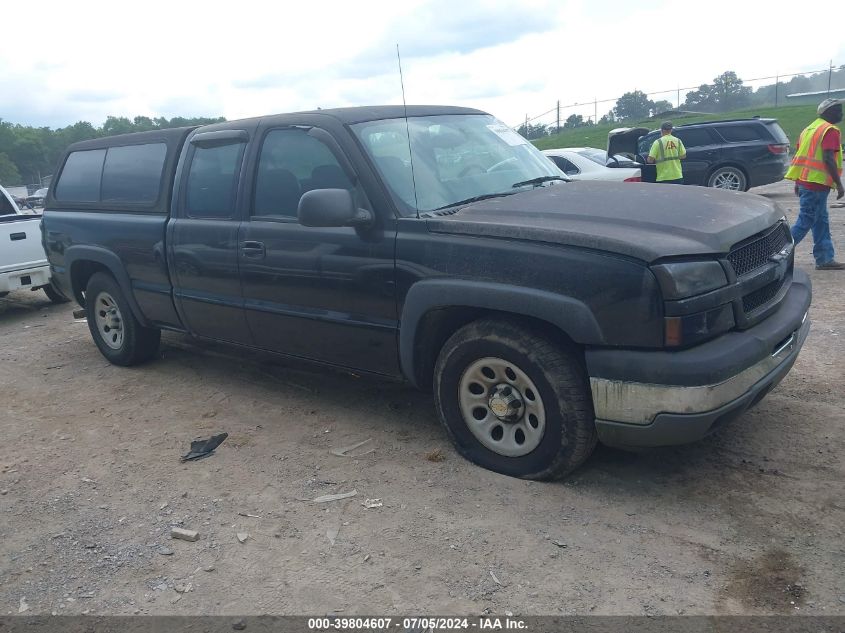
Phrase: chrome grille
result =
(750, 255)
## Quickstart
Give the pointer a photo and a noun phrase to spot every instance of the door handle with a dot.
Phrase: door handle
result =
(253, 249)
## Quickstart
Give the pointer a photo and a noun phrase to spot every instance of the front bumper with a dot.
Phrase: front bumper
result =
(709, 385)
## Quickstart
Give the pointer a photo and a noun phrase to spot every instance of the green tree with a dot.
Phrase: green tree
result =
(607, 118)
(573, 120)
(661, 106)
(724, 94)
(9, 174)
(633, 105)
(532, 132)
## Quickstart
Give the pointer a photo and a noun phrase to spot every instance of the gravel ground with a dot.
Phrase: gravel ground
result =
(749, 521)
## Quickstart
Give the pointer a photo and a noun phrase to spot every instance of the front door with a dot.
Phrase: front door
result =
(202, 239)
(325, 294)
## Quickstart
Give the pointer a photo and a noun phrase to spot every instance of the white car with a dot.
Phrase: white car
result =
(589, 163)
(23, 263)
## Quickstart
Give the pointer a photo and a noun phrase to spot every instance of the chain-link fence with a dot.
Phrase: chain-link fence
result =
(728, 93)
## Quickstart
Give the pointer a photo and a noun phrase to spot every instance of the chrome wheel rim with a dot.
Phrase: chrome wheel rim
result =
(727, 180)
(502, 407)
(109, 321)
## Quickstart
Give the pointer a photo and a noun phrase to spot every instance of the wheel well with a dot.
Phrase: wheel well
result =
(439, 324)
(80, 273)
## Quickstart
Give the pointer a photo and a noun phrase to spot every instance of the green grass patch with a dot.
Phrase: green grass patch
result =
(792, 119)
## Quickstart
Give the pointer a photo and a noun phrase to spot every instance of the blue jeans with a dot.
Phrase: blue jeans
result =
(813, 215)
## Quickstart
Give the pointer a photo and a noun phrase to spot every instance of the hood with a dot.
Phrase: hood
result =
(623, 140)
(645, 221)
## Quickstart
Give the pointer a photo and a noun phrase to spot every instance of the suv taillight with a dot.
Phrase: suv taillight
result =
(781, 148)
(633, 179)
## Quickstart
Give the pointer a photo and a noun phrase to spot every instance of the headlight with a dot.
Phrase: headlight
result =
(687, 279)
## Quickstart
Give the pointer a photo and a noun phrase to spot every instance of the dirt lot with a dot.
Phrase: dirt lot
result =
(749, 521)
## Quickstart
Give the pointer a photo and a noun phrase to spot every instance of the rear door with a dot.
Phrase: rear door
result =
(704, 149)
(202, 239)
(325, 294)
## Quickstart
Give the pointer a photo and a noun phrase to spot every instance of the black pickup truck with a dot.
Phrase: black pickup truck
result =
(442, 249)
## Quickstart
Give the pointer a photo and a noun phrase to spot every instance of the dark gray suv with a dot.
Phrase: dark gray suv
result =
(736, 154)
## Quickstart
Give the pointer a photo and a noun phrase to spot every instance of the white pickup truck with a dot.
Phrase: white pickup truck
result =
(23, 263)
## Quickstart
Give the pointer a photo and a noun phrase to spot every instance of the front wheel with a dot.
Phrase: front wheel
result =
(514, 401)
(117, 333)
(729, 178)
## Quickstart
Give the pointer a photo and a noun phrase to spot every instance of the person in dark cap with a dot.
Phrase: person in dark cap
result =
(817, 168)
(666, 153)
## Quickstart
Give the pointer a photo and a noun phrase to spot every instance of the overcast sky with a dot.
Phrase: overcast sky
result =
(68, 61)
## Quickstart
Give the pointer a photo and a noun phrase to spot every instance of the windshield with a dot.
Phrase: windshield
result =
(455, 158)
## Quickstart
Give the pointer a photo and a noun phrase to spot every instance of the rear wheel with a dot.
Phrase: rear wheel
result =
(727, 177)
(514, 401)
(116, 332)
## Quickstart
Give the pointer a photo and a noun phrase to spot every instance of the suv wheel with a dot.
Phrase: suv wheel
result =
(117, 333)
(513, 401)
(728, 178)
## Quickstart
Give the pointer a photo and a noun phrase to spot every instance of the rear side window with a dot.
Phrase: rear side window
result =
(212, 181)
(81, 176)
(695, 137)
(566, 166)
(133, 173)
(740, 133)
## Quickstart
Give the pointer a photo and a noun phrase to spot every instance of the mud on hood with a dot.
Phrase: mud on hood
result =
(645, 221)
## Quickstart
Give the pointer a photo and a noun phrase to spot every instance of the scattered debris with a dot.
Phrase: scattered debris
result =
(372, 503)
(87, 480)
(493, 576)
(80, 320)
(165, 551)
(23, 606)
(436, 455)
(176, 598)
(366, 558)
(209, 568)
(332, 533)
(560, 544)
(251, 516)
(163, 506)
(185, 535)
(4, 492)
(239, 625)
(79, 313)
(204, 448)
(337, 497)
(242, 537)
(352, 450)
(184, 588)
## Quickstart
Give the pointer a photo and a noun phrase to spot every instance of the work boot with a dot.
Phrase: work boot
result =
(831, 265)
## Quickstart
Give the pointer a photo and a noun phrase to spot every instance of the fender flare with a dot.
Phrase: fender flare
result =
(571, 316)
(113, 264)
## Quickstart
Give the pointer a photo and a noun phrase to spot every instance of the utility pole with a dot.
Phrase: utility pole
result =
(558, 116)
(829, 77)
(679, 96)
(777, 80)
(595, 110)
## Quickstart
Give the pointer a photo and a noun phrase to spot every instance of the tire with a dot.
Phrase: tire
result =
(54, 294)
(546, 381)
(114, 328)
(727, 177)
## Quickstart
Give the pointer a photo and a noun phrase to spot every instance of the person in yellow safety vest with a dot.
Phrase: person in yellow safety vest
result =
(816, 168)
(666, 153)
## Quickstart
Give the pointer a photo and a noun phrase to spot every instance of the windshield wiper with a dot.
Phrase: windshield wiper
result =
(484, 196)
(538, 181)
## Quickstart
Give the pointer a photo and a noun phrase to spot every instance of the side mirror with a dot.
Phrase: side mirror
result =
(330, 207)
